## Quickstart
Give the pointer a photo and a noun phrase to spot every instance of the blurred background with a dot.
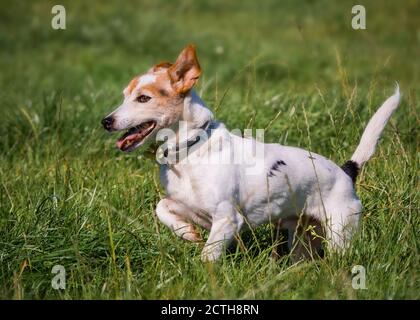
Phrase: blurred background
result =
(289, 43)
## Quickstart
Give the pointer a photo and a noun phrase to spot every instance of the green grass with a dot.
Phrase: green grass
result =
(68, 197)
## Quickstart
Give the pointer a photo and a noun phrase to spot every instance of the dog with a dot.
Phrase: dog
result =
(299, 191)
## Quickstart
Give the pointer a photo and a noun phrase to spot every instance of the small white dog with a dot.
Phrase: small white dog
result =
(293, 187)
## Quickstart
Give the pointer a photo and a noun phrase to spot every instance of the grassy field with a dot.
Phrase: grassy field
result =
(68, 197)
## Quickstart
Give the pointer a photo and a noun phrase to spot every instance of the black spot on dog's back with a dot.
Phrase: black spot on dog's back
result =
(275, 167)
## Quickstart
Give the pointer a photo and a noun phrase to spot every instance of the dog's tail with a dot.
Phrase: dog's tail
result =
(371, 135)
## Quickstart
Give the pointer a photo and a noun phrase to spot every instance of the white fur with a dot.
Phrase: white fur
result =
(374, 128)
(145, 80)
(225, 199)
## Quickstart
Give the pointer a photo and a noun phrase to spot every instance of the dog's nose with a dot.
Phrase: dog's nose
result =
(107, 123)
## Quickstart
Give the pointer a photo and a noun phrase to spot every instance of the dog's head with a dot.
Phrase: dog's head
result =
(154, 100)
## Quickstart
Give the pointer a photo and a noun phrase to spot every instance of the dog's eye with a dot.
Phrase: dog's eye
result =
(143, 98)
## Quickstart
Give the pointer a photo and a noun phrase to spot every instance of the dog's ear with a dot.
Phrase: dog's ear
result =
(185, 72)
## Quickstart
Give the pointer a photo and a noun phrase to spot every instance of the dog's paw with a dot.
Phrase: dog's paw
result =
(207, 258)
(210, 254)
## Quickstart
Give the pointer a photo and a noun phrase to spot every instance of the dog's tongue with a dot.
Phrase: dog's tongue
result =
(127, 140)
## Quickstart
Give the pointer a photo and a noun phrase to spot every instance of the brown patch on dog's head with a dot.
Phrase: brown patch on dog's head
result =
(172, 80)
(159, 89)
(160, 66)
(133, 83)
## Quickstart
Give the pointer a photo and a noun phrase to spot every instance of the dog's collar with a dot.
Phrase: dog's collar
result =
(195, 141)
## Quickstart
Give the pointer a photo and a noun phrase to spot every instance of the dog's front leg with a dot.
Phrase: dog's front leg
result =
(227, 222)
(172, 214)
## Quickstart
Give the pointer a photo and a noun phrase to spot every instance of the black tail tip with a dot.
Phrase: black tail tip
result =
(351, 168)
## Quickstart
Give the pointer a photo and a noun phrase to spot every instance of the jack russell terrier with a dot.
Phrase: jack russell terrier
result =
(299, 191)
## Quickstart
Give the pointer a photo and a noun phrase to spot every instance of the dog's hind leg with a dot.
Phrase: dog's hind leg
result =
(305, 236)
(173, 215)
(280, 246)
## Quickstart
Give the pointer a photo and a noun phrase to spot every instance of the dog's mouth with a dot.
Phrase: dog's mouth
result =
(134, 137)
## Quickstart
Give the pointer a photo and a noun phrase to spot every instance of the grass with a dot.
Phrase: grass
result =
(68, 197)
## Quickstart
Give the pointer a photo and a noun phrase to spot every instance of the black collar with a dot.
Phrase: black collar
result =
(207, 126)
